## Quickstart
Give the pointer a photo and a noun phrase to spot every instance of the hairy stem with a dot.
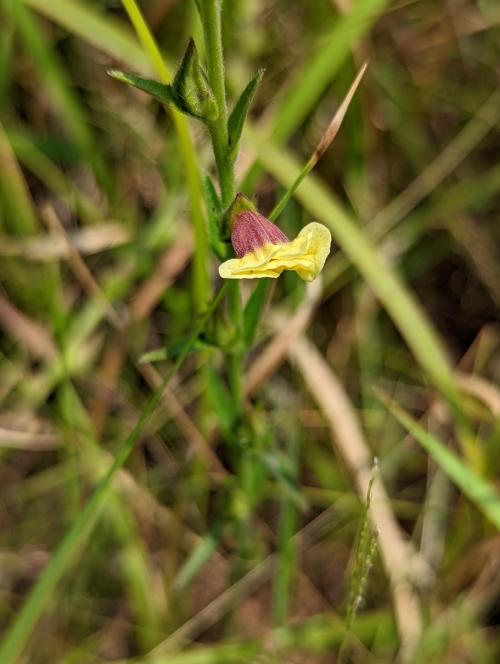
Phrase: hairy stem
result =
(210, 12)
(236, 358)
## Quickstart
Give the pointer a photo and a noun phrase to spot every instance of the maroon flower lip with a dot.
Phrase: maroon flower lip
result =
(252, 231)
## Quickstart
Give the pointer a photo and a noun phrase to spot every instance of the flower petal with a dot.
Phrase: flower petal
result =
(306, 255)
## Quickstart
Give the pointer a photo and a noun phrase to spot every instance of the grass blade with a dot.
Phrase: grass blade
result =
(253, 310)
(187, 154)
(315, 76)
(200, 556)
(15, 190)
(94, 27)
(320, 70)
(286, 554)
(479, 491)
(52, 73)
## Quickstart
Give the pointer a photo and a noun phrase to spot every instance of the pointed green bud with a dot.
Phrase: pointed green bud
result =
(192, 91)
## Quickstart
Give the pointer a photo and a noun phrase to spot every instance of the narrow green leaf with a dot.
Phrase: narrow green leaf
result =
(198, 558)
(283, 582)
(220, 400)
(253, 310)
(280, 467)
(304, 90)
(51, 70)
(173, 351)
(157, 90)
(214, 216)
(212, 198)
(238, 116)
(227, 653)
(99, 27)
(479, 491)
(14, 190)
(323, 64)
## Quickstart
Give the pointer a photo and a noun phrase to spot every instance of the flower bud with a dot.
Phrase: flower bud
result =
(192, 91)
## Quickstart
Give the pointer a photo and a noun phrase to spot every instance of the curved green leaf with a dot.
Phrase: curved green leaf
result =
(159, 91)
(479, 491)
(238, 116)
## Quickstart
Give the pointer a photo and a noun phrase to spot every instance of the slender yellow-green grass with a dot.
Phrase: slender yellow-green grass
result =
(14, 189)
(51, 71)
(188, 156)
(481, 492)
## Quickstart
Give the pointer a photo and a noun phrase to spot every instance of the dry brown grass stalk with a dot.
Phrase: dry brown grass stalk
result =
(29, 333)
(87, 241)
(403, 565)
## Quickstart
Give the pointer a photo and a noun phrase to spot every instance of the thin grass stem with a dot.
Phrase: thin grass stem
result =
(187, 154)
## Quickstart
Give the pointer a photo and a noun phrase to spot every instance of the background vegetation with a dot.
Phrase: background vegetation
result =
(207, 546)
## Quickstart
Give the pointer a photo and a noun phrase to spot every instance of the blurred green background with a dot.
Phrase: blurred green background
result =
(96, 245)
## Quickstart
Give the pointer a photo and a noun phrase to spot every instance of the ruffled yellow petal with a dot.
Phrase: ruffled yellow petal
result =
(306, 255)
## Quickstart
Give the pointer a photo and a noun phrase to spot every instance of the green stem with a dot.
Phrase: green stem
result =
(236, 358)
(210, 11)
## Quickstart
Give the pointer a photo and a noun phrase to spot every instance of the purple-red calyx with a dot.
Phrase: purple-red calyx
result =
(251, 231)
(263, 250)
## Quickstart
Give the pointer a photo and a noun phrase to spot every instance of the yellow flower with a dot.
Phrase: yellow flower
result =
(265, 251)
